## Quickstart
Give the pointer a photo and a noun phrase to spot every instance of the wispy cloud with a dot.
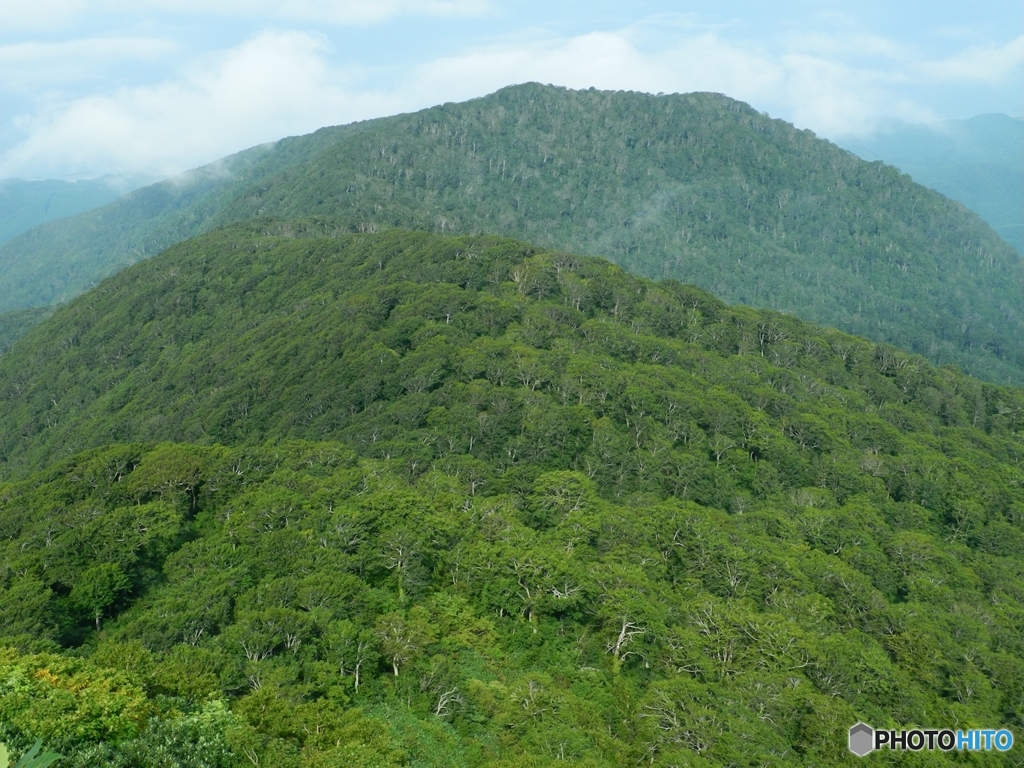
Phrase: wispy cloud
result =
(16, 15)
(978, 64)
(856, 44)
(274, 85)
(837, 100)
(288, 82)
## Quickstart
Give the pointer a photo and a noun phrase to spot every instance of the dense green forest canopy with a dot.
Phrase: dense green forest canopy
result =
(60, 259)
(266, 330)
(694, 187)
(17, 322)
(429, 500)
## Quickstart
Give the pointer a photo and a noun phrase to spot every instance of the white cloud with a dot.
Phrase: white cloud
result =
(282, 83)
(979, 64)
(857, 44)
(815, 92)
(38, 14)
(836, 100)
(328, 11)
(274, 85)
(838, 85)
(602, 60)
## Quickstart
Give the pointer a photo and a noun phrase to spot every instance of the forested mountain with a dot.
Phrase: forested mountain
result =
(979, 162)
(294, 497)
(60, 259)
(25, 204)
(695, 187)
(15, 323)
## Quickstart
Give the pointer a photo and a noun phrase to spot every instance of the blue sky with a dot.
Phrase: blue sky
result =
(89, 87)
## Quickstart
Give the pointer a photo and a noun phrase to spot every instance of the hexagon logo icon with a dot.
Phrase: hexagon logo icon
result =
(862, 739)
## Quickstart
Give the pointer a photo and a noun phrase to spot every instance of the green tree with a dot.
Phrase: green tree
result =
(97, 589)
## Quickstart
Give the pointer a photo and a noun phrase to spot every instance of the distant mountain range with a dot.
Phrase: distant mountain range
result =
(696, 187)
(25, 204)
(978, 162)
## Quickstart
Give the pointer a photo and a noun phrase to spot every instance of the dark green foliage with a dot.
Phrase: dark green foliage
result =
(460, 501)
(696, 187)
(415, 346)
(17, 322)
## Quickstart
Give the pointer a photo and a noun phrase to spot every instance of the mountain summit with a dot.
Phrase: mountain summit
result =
(696, 187)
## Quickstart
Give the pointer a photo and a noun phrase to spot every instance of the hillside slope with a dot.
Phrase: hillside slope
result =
(58, 260)
(26, 204)
(554, 513)
(979, 162)
(17, 322)
(693, 187)
(248, 333)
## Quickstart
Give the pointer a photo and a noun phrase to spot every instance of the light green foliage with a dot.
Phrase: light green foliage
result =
(612, 523)
(98, 587)
(66, 702)
(601, 630)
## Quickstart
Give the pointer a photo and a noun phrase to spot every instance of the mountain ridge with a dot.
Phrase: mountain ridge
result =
(978, 161)
(25, 204)
(697, 187)
(142, 322)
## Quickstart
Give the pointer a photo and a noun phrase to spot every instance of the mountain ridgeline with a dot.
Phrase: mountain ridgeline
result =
(25, 204)
(268, 329)
(298, 497)
(979, 162)
(695, 187)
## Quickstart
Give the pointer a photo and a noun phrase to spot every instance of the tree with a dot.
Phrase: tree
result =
(403, 637)
(97, 589)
